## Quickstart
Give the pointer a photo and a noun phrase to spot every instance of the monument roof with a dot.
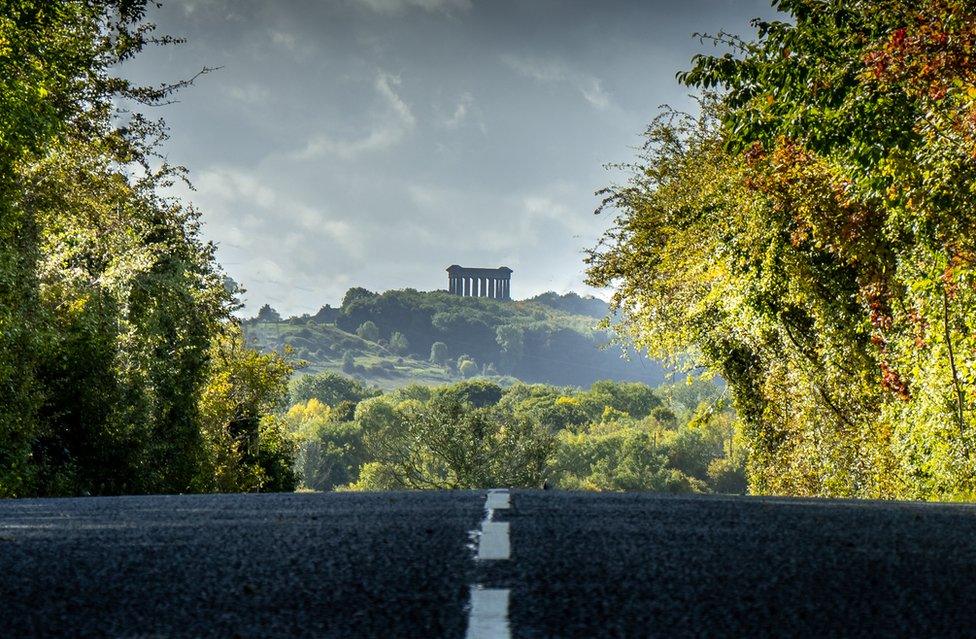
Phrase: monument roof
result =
(454, 267)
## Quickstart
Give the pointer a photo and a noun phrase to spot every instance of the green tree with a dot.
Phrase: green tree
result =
(399, 343)
(56, 63)
(467, 367)
(109, 299)
(246, 445)
(478, 393)
(368, 331)
(512, 341)
(268, 314)
(438, 353)
(816, 247)
(447, 443)
(349, 362)
(329, 388)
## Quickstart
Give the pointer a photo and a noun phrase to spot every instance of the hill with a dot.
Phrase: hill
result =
(409, 336)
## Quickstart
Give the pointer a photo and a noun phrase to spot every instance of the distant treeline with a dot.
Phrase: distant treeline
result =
(550, 338)
(612, 436)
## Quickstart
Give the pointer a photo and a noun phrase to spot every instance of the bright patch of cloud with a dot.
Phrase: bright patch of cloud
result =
(300, 48)
(233, 199)
(391, 125)
(397, 7)
(249, 93)
(551, 71)
(593, 92)
(457, 118)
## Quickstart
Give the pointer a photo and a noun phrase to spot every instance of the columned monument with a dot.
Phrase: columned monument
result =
(480, 282)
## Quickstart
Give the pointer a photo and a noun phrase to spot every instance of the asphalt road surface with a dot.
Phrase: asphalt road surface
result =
(470, 564)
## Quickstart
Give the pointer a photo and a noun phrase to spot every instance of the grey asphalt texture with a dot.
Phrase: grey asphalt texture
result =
(401, 564)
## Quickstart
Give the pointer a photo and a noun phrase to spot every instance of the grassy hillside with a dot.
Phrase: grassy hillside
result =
(387, 339)
(323, 347)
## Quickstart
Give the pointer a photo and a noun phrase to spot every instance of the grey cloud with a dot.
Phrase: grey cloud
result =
(390, 125)
(374, 142)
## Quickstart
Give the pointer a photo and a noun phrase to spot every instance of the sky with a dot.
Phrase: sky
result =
(376, 142)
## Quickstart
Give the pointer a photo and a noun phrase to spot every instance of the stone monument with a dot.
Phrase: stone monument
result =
(480, 282)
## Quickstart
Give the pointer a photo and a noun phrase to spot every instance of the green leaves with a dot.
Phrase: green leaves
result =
(803, 236)
(110, 302)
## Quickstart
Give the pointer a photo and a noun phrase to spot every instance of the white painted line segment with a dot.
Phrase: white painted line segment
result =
(494, 540)
(497, 500)
(488, 618)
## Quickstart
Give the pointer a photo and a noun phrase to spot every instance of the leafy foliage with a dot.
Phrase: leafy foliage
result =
(112, 308)
(476, 434)
(329, 388)
(247, 447)
(268, 314)
(810, 237)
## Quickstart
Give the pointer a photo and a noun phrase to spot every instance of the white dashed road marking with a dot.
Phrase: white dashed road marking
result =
(497, 500)
(488, 616)
(494, 543)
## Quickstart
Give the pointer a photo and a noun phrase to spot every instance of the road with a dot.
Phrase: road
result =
(439, 564)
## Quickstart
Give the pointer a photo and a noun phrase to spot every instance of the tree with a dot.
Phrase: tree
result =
(478, 393)
(329, 388)
(349, 362)
(326, 315)
(368, 331)
(512, 341)
(467, 367)
(355, 294)
(447, 443)
(268, 314)
(399, 343)
(438, 353)
(110, 301)
(247, 447)
(810, 236)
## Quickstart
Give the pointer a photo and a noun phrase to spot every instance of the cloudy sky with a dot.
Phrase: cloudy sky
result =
(375, 142)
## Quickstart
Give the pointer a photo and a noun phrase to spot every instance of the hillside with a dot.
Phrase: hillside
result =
(387, 339)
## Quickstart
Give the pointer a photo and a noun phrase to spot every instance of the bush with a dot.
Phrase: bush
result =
(467, 368)
(438, 353)
(368, 331)
(399, 343)
(329, 388)
(349, 362)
